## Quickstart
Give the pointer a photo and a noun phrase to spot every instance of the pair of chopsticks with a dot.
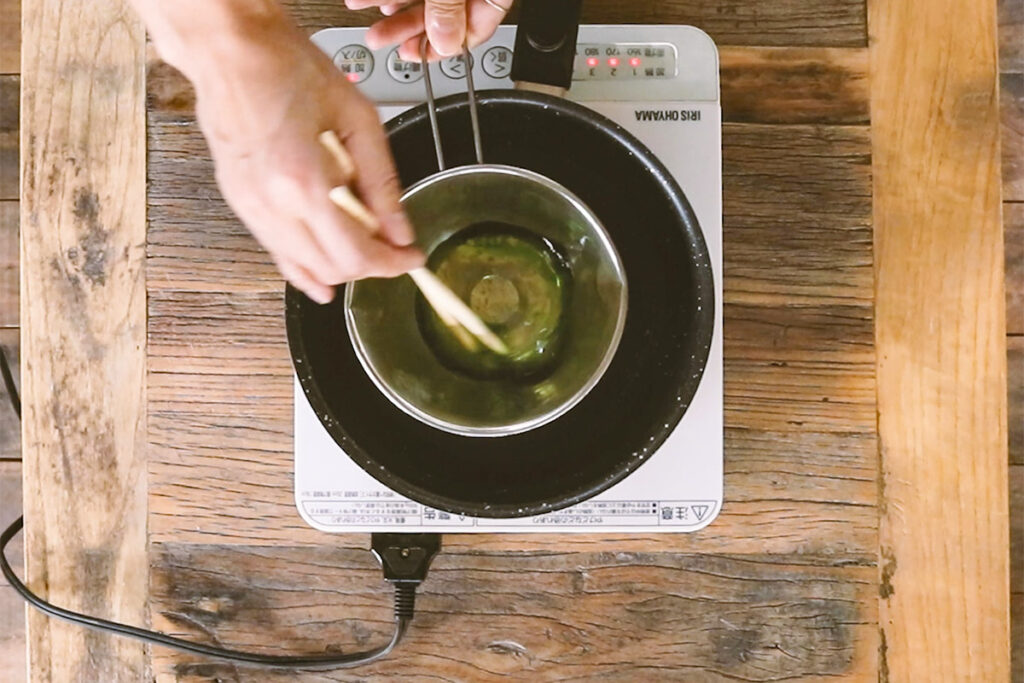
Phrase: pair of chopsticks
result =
(453, 312)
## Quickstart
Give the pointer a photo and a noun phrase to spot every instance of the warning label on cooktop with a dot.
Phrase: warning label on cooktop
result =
(353, 509)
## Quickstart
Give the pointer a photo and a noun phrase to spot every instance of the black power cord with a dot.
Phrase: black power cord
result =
(404, 558)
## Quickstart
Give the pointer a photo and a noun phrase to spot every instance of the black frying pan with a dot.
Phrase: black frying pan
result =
(664, 346)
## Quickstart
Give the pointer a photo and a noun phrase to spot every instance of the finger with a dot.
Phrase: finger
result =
(446, 25)
(302, 280)
(352, 246)
(379, 259)
(389, 10)
(288, 238)
(396, 29)
(377, 183)
(483, 20)
(364, 4)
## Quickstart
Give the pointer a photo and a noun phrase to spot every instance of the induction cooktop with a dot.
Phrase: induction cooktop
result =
(661, 84)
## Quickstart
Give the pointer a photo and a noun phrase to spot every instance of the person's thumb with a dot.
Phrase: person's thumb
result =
(446, 25)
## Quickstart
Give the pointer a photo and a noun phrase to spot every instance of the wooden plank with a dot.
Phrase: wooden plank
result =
(1012, 101)
(832, 23)
(8, 264)
(940, 340)
(1015, 397)
(1017, 570)
(12, 609)
(802, 455)
(794, 85)
(549, 616)
(798, 197)
(10, 36)
(1013, 235)
(83, 231)
(759, 85)
(10, 427)
(9, 115)
(1017, 606)
(1011, 36)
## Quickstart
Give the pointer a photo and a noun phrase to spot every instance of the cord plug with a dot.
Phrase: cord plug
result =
(405, 559)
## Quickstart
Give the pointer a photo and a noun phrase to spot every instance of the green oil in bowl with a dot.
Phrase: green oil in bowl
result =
(518, 283)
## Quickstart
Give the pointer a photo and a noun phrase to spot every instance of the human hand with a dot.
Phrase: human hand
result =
(261, 111)
(447, 23)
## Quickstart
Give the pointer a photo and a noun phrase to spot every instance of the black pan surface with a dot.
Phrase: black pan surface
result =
(645, 390)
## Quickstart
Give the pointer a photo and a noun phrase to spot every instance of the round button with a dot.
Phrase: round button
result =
(403, 71)
(498, 62)
(355, 61)
(454, 67)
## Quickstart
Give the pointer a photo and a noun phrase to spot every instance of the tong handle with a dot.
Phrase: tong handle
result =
(474, 118)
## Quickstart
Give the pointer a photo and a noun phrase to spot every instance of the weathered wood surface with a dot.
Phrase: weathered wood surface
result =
(8, 264)
(600, 614)
(10, 36)
(831, 23)
(1012, 101)
(1013, 231)
(83, 324)
(801, 468)
(1011, 36)
(9, 137)
(10, 428)
(802, 535)
(12, 609)
(940, 330)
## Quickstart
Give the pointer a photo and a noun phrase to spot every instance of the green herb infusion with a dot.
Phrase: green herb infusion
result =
(518, 283)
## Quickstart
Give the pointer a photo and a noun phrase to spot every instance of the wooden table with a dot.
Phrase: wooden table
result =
(865, 528)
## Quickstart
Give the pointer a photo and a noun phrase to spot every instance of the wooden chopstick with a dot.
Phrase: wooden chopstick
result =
(449, 307)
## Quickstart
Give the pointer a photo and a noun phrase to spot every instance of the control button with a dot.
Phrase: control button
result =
(453, 67)
(498, 62)
(403, 71)
(355, 61)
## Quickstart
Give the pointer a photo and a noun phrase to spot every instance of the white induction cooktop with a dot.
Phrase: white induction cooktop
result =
(661, 84)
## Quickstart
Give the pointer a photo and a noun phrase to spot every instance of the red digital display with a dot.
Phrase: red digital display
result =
(592, 61)
(352, 76)
(613, 61)
(634, 62)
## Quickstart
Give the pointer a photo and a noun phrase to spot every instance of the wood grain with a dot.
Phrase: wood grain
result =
(10, 36)
(597, 615)
(801, 468)
(794, 85)
(940, 328)
(800, 385)
(759, 85)
(9, 116)
(10, 427)
(1015, 382)
(83, 231)
(1011, 36)
(798, 195)
(8, 264)
(1012, 104)
(831, 23)
(1013, 235)
(12, 608)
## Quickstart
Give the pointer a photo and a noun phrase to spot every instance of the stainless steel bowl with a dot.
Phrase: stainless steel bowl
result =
(381, 317)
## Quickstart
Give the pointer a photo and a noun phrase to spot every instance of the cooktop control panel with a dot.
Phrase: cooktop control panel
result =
(672, 63)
